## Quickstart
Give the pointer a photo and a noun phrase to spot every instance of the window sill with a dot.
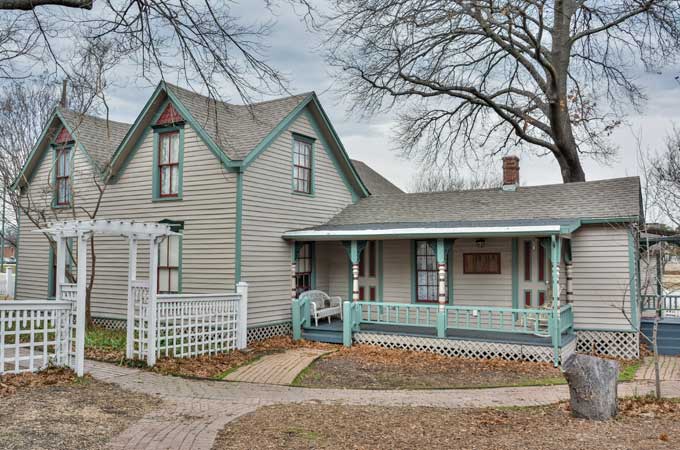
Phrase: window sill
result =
(54, 206)
(166, 199)
(304, 194)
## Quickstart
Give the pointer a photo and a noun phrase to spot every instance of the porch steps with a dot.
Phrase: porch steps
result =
(322, 335)
(668, 335)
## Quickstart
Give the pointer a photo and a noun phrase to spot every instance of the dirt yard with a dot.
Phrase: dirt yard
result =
(313, 426)
(369, 367)
(56, 410)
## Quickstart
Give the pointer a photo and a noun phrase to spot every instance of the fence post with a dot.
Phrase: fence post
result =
(152, 309)
(347, 324)
(132, 277)
(10, 282)
(242, 324)
(297, 320)
(81, 294)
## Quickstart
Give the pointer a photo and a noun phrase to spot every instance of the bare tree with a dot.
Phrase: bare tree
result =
(441, 179)
(664, 179)
(549, 76)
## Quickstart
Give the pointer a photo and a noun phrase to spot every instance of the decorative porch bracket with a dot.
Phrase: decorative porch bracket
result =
(443, 246)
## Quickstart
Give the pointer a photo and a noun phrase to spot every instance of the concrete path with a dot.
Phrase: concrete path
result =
(279, 368)
(669, 369)
(196, 410)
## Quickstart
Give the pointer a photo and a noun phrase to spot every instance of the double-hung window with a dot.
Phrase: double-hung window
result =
(426, 273)
(168, 164)
(169, 265)
(303, 269)
(302, 165)
(63, 175)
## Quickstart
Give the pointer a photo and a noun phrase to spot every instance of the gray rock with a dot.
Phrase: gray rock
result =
(592, 386)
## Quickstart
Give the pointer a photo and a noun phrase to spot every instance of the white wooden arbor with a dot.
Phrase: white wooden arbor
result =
(82, 231)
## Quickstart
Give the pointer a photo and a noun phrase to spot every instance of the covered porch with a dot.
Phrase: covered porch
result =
(482, 292)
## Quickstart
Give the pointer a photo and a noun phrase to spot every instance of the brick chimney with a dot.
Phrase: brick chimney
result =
(510, 173)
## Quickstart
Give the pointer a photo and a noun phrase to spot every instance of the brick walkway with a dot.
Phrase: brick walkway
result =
(279, 368)
(669, 369)
(196, 410)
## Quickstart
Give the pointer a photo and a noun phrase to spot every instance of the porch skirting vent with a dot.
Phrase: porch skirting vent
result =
(260, 333)
(465, 349)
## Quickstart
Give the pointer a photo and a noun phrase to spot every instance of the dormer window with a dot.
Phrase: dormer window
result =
(168, 164)
(302, 164)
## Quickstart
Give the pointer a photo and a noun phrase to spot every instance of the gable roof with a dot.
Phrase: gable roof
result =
(614, 199)
(97, 137)
(375, 182)
(236, 129)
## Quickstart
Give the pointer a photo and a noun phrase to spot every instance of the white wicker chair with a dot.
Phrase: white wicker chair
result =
(322, 305)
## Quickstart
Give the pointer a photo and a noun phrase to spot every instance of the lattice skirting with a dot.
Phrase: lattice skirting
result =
(621, 344)
(260, 333)
(112, 324)
(463, 349)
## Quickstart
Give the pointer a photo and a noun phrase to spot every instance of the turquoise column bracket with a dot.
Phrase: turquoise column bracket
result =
(441, 252)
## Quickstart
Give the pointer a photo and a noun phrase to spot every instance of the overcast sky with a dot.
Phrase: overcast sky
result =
(295, 51)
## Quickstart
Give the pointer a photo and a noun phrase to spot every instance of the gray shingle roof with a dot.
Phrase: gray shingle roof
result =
(376, 183)
(603, 199)
(236, 129)
(99, 137)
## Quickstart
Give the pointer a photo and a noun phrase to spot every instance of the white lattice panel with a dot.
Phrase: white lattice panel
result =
(110, 324)
(458, 348)
(621, 344)
(269, 331)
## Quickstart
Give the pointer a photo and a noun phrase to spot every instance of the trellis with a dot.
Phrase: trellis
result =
(186, 328)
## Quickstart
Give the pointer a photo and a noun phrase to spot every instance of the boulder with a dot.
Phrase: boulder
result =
(592, 386)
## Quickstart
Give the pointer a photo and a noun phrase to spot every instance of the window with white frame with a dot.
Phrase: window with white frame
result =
(168, 164)
(302, 165)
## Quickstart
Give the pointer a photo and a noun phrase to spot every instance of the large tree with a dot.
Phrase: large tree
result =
(467, 76)
(663, 181)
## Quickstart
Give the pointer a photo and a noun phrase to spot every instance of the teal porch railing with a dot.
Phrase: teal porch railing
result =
(660, 303)
(539, 322)
(300, 316)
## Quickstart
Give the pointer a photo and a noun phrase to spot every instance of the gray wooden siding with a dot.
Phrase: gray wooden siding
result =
(600, 268)
(397, 271)
(207, 209)
(271, 208)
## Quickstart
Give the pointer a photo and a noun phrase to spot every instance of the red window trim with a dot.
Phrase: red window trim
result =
(527, 260)
(527, 298)
(541, 263)
(541, 298)
(62, 150)
(372, 258)
(170, 164)
(435, 270)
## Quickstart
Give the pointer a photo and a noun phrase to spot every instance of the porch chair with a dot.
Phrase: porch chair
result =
(322, 305)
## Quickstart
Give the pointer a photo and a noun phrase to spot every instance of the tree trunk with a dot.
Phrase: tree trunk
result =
(593, 386)
(655, 346)
(566, 151)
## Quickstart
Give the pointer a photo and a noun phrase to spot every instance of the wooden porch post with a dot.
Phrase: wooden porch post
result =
(293, 270)
(81, 293)
(354, 256)
(555, 255)
(441, 288)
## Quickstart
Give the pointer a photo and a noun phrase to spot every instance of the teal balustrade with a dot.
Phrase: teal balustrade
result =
(300, 316)
(660, 303)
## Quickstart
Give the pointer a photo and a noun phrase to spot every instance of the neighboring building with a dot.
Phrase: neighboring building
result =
(268, 195)
(9, 252)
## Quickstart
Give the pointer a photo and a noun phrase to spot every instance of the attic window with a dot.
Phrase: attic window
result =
(63, 175)
(169, 116)
(302, 164)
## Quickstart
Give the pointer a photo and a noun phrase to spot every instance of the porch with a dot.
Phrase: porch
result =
(480, 332)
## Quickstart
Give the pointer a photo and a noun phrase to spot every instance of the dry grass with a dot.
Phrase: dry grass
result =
(370, 367)
(11, 384)
(56, 410)
(642, 424)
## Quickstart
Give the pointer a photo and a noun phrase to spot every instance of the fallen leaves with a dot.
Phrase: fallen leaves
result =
(10, 384)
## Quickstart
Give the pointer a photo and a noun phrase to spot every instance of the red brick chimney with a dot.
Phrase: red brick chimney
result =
(510, 173)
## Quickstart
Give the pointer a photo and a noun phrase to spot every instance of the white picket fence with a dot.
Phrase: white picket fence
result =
(187, 325)
(35, 334)
(7, 282)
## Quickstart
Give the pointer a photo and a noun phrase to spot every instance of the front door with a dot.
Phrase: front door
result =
(534, 278)
(368, 272)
